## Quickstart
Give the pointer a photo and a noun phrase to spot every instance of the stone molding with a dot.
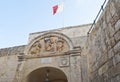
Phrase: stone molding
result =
(49, 44)
(52, 54)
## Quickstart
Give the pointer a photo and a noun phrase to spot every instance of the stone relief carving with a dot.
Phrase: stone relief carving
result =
(36, 48)
(49, 44)
(64, 61)
(60, 44)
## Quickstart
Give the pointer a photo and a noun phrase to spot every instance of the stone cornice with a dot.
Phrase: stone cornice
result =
(52, 54)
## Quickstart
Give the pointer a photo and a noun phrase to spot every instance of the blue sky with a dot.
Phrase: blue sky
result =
(18, 18)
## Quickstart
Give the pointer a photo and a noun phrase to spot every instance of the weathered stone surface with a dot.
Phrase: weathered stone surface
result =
(60, 48)
(117, 25)
(110, 53)
(117, 48)
(114, 19)
(106, 42)
(110, 63)
(95, 58)
(103, 69)
(117, 78)
(12, 50)
(117, 36)
(111, 30)
(8, 65)
(103, 60)
(112, 42)
(108, 16)
(73, 31)
(117, 58)
(116, 69)
(112, 9)
(113, 59)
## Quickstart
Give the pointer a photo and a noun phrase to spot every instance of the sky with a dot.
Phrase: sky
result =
(19, 18)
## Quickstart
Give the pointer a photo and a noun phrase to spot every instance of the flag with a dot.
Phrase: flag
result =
(58, 8)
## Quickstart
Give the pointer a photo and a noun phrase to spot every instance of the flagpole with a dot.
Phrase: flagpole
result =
(63, 17)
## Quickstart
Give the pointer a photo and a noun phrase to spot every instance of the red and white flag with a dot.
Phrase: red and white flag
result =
(58, 8)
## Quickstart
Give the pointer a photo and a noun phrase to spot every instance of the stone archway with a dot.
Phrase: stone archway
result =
(49, 45)
(51, 49)
(47, 74)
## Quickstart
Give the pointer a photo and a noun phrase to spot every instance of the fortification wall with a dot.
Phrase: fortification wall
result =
(12, 50)
(9, 56)
(104, 46)
(9, 62)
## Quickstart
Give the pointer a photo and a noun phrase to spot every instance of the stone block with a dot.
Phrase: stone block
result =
(117, 5)
(117, 48)
(107, 14)
(103, 69)
(117, 58)
(116, 69)
(98, 79)
(117, 78)
(94, 74)
(110, 53)
(110, 72)
(114, 19)
(112, 42)
(112, 8)
(104, 25)
(103, 42)
(103, 59)
(105, 77)
(117, 2)
(110, 63)
(95, 66)
(117, 25)
(117, 36)
(112, 80)
(114, 61)
(111, 30)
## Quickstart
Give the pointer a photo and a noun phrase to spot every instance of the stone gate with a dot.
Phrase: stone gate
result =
(68, 54)
(53, 56)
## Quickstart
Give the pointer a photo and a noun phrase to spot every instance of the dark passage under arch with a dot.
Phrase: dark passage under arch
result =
(47, 74)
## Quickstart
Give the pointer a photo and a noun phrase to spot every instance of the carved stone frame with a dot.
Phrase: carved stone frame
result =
(43, 36)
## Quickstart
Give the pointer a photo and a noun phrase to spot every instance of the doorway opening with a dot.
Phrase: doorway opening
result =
(47, 74)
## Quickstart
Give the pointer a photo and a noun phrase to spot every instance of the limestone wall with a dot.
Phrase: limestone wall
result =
(12, 50)
(71, 32)
(9, 62)
(104, 46)
(78, 36)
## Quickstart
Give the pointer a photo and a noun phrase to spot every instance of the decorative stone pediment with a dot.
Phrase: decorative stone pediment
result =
(49, 44)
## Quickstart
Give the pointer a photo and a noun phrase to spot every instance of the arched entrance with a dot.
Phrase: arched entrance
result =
(47, 74)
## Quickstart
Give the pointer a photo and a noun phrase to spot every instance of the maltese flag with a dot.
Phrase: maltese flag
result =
(58, 8)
